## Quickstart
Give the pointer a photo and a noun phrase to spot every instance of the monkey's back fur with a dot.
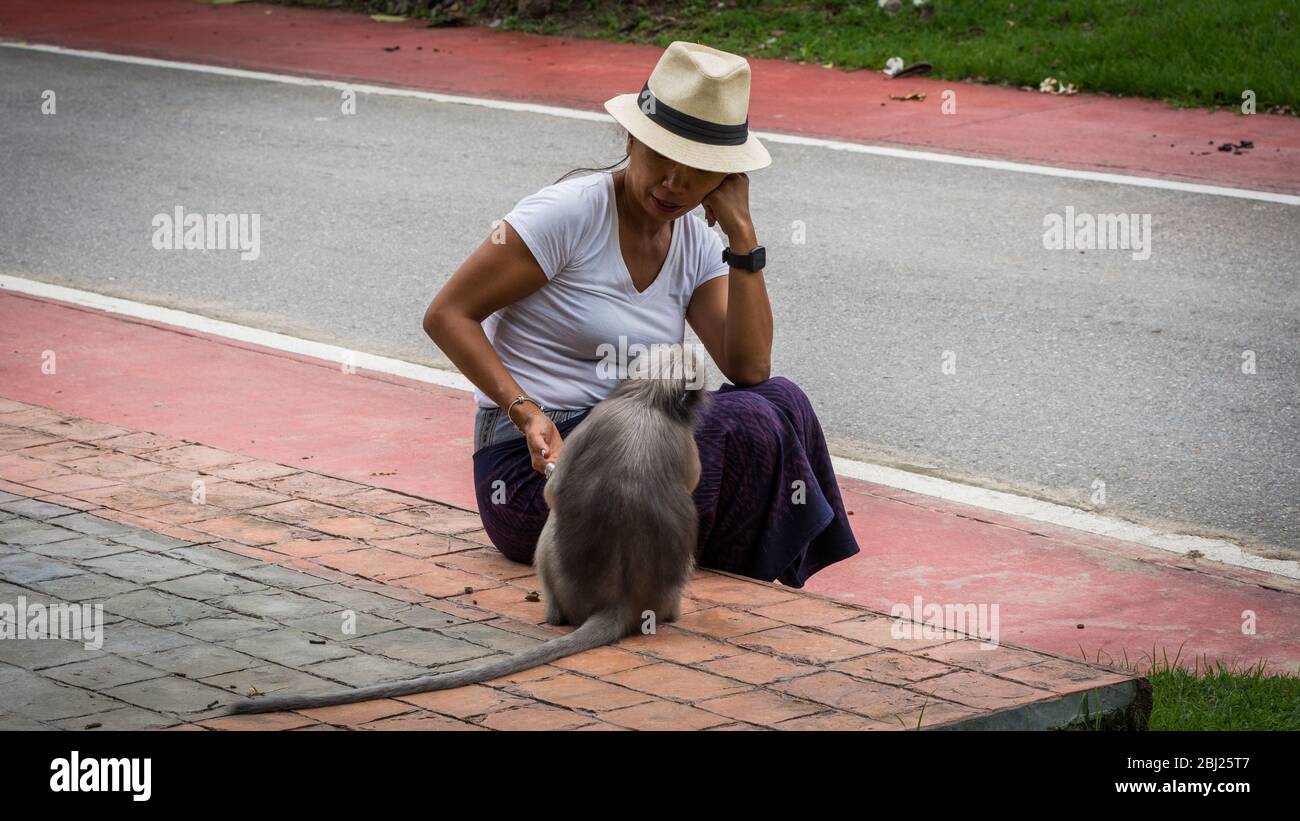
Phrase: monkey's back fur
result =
(619, 543)
(622, 532)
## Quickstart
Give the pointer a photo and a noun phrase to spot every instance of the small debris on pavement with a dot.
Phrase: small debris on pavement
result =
(894, 68)
(392, 48)
(469, 590)
(915, 95)
(532, 596)
(1236, 148)
(1051, 85)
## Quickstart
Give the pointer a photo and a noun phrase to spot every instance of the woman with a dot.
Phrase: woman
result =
(596, 264)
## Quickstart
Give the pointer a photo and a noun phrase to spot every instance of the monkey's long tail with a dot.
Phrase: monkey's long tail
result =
(601, 629)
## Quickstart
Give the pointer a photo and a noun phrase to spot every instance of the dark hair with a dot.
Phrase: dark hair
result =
(606, 168)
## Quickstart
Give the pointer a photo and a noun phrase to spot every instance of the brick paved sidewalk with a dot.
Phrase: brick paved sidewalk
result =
(249, 592)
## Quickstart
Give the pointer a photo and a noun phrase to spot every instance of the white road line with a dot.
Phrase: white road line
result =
(577, 114)
(1061, 515)
(241, 333)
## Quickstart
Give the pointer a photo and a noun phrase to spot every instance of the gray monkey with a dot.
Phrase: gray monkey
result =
(619, 542)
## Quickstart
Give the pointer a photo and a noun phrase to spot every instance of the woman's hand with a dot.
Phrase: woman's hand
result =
(543, 439)
(728, 205)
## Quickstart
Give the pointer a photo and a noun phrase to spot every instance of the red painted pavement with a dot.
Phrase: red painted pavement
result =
(414, 437)
(1085, 131)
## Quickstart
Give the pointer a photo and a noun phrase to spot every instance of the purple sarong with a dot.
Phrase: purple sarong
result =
(768, 501)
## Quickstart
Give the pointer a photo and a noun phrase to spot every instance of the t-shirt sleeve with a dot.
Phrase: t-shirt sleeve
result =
(549, 222)
(712, 265)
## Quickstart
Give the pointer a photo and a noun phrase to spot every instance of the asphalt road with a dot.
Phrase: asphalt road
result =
(1069, 367)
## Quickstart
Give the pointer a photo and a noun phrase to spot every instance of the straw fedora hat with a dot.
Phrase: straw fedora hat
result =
(695, 109)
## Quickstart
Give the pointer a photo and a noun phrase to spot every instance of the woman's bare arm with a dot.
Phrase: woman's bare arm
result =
(733, 318)
(494, 276)
(732, 315)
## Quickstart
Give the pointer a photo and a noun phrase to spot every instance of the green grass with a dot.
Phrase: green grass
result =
(1213, 696)
(1187, 52)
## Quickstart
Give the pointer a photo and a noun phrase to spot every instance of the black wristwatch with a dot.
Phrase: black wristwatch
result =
(755, 260)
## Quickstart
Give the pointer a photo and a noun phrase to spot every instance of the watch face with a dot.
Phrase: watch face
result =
(760, 258)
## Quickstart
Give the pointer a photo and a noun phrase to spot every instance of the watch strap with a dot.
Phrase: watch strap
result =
(744, 261)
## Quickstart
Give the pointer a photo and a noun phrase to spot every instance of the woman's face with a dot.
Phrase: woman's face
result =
(653, 181)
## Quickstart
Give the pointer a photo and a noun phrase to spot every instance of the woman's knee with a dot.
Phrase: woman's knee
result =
(510, 525)
(744, 409)
(745, 420)
(514, 542)
(784, 393)
(785, 384)
(515, 551)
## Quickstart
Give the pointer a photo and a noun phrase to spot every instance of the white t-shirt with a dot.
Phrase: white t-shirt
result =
(549, 340)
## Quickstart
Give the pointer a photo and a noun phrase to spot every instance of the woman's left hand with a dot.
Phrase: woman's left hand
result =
(728, 205)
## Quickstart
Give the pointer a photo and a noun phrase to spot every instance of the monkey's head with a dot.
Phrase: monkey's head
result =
(670, 377)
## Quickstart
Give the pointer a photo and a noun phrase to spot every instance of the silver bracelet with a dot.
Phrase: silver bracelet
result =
(522, 398)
